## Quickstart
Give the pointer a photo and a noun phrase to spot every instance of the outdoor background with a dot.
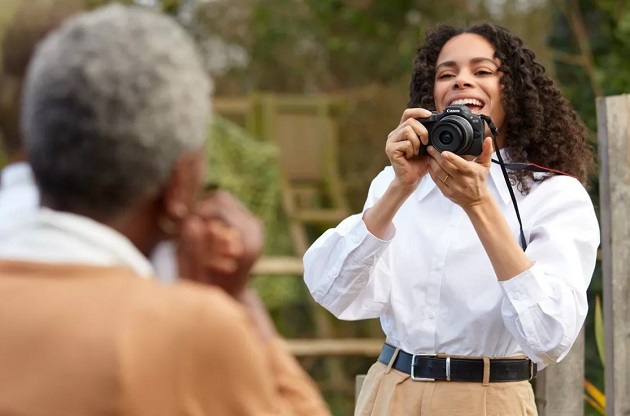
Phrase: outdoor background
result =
(359, 53)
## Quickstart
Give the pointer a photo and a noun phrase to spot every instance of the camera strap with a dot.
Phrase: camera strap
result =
(532, 167)
(495, 132)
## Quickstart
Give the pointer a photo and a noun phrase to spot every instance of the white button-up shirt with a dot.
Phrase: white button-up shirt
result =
(432, 284)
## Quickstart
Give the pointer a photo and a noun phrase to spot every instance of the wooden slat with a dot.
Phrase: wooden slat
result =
(279, 265)
(613, 125)
(235, 105)
(369, 347)
(560, 388)
(328, 216)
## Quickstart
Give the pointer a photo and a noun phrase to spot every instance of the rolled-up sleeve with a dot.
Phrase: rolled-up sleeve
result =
(338, 269)
(544, 307)
(345, 269)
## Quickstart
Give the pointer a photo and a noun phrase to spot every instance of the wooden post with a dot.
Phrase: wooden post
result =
(560, 388)
(613, 131)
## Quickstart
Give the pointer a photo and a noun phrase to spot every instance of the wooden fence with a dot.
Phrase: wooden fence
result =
(613, 119)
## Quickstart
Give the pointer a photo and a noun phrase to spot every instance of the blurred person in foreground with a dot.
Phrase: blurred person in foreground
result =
(471, 302)
(19, 196)
(114, 116)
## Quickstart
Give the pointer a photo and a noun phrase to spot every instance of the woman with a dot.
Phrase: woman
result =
(437, 252)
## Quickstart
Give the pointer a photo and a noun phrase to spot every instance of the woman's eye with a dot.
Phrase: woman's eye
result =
(483, 72)
(446, 75)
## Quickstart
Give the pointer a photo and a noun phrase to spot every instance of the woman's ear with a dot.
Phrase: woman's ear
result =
(180, 192)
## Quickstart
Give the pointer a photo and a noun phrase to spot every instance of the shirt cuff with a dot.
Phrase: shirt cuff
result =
(365, 246)
(527, 289)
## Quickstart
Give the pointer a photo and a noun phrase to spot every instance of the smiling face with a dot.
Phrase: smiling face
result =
(466, 73)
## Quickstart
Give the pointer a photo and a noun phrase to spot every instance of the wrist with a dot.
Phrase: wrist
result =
(481, 207)
(400, 190)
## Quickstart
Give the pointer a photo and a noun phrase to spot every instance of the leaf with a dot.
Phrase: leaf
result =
(596, 396)
(595, 406)
(599, 330)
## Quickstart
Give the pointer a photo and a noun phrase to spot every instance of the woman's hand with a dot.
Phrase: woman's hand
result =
(460, 180)
(403, 146)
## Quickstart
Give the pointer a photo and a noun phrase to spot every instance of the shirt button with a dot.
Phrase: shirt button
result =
(431, 315)
(516, 295)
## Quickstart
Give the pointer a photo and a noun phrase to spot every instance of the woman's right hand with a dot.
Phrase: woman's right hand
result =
(403, 146)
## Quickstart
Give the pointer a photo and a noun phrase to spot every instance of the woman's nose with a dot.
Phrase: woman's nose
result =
(463, 80)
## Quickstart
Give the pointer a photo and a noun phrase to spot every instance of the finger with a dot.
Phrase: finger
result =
(448, 164)
(401, 148)
(228, 239)
(224, 247)
(485, 158)
(408, 133)
(416, 112)
(192, 249)
(454, 163)
(440, 181)
(419, 130)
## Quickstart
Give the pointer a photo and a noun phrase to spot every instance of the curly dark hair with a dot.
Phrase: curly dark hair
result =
(541, 126)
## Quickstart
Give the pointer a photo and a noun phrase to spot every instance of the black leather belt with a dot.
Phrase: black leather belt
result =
(429, 367)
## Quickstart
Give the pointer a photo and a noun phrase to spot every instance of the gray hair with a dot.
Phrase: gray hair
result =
(112, 99)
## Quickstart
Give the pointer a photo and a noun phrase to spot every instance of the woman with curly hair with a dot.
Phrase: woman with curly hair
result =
(477, 270)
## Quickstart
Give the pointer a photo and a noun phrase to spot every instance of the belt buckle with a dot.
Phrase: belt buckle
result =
(413, 364)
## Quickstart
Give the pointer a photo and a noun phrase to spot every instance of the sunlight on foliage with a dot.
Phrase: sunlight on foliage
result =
(249, 169)
(594, 397)
(599, 330)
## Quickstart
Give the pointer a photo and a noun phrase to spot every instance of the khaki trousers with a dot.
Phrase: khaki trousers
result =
(389, 392)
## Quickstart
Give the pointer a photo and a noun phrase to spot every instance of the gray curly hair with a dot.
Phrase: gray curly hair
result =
(112, 99)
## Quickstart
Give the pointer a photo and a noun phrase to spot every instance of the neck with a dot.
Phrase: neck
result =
(138, 223)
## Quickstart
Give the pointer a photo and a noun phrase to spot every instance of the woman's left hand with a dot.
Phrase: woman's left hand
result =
(460, 180)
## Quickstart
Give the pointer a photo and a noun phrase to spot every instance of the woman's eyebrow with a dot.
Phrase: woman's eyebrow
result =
(450, 64)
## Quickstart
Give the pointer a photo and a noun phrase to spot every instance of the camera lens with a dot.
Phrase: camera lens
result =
(446, 138)
(453, 133)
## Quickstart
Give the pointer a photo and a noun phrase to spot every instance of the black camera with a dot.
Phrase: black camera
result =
(456, 130)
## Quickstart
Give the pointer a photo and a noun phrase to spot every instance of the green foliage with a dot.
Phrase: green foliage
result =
(599, 330)
(607, 25)
(324, 45)
(248, 168)
(594, 396)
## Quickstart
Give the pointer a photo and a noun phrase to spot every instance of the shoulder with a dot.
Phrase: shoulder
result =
(185, 323)
(560, 189)
(187, 304)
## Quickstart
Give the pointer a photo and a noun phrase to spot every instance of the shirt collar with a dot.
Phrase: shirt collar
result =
(60, 237)
(15, 174)
(495, 178)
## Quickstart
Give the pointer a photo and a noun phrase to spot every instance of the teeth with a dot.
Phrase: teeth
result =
(467, 101)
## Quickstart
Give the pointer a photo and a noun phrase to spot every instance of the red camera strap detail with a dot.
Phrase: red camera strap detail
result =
(532, 167)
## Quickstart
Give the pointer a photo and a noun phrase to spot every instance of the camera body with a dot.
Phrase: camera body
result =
(456, 130)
